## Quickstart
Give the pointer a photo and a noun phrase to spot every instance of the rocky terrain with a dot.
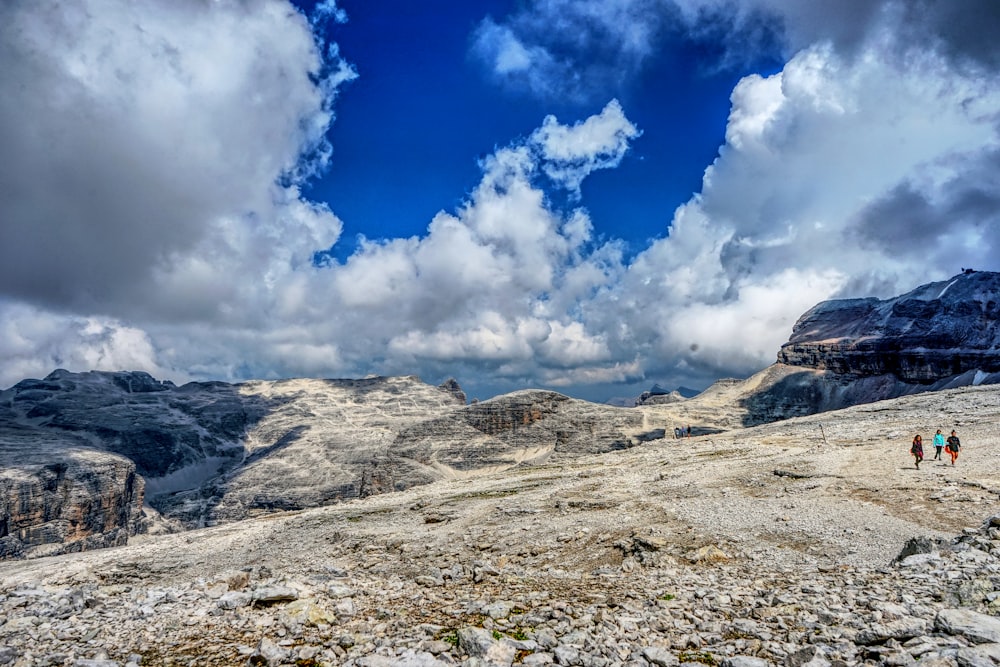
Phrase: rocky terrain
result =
(89, 459)
(772, 545)
(81, 452)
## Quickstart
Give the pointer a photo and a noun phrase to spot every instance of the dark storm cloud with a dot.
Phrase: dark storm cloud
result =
(126, 138)
(944, 222)
(966, 31)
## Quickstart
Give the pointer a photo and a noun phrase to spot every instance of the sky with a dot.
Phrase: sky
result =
(588, 196)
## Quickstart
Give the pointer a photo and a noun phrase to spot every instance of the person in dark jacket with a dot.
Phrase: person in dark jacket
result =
(953, 446)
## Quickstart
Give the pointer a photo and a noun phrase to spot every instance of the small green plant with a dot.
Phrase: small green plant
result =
(519, 634)
(704, 657)
(497, 634)
(667, 596)
(450, 637)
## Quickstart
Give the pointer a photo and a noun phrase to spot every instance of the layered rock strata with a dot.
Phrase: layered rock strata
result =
(80, 499)
(937, 331)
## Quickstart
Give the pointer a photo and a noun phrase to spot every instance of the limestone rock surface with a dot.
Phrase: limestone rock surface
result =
(777, 545)
(73, 500)
(206, 453)
(328, 441)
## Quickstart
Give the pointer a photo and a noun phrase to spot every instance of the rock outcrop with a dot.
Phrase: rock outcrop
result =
(937, 331)
(853, 351)
(77, 500)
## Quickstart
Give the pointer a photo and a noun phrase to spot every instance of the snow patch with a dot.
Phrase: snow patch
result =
(945, 288)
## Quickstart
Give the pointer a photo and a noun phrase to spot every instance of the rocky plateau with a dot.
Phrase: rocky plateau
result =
(811, 541)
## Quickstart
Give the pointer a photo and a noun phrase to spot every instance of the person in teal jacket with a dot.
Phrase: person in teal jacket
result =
(938, 445)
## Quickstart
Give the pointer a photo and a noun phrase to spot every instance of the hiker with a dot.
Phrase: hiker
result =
(938, 445)
(953, 446)
(917, 449)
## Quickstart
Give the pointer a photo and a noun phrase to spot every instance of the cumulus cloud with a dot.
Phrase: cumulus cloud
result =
(495, 284)
(570, 154)
(154, 218)
(839, 177)
(134, 133)
(865, 166)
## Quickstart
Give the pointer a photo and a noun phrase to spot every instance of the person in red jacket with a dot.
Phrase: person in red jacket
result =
(917, 449)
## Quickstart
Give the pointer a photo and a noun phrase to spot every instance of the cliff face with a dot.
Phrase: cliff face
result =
(937, 331)
(847, 352)
(75, 500)
(853, 351)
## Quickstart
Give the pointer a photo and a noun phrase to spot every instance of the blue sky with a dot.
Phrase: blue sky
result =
(590, 196)
(422, 97)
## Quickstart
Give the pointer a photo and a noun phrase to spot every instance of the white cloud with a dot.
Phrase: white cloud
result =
(570, 154)
(327, 10)
(494, 284)
(34, 342)
(140, 130)
(154, 217)
(812, 197)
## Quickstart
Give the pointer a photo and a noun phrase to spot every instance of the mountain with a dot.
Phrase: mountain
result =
(853, 351)
(654, 395)
(938, 331)
(88, 459)
(528, 529)
(83, 452)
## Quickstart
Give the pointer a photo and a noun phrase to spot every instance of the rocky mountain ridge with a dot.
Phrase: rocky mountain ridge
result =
(91, 458)
(936, 331)
(206, 453)
(848, 352)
